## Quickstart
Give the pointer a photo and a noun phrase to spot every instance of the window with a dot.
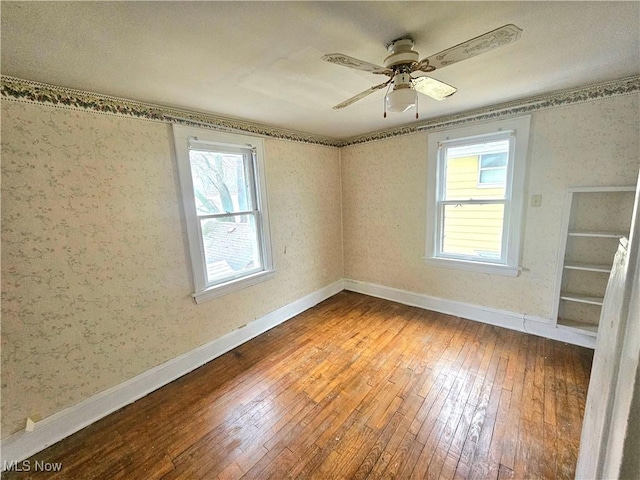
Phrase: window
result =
(223, 192)
(476, 196)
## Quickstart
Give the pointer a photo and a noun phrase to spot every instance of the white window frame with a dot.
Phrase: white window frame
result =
(517, 130)
(188, 137)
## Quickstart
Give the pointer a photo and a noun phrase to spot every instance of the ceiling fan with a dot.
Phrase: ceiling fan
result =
(403, 61)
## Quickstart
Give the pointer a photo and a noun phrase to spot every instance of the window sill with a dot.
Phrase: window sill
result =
(470, 266)
(238, 284)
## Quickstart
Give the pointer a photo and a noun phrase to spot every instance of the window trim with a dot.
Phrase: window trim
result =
(516, 128)
(186, 138)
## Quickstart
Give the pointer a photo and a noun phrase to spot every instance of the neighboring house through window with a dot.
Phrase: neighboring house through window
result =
(224, 198)
(476, 194)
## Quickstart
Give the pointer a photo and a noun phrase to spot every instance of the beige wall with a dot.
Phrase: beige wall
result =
(384, 195)
(95, 277)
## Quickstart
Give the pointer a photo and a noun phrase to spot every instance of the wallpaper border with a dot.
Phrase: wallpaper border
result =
(28, 91)
(614, 88)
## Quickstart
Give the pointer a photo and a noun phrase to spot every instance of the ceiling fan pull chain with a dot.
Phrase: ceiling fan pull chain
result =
(417, 97)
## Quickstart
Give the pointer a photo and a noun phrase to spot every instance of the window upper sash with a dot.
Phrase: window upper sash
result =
(475, 146)
(248, 154)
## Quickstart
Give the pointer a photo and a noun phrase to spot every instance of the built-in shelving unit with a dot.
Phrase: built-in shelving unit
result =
(595, 219)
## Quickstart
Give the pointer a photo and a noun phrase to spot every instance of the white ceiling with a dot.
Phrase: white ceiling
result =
(260, 61)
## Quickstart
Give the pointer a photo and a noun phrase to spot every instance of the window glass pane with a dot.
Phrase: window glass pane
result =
(473, 230)
(231, 246)
(493, 175)
(493, 160)
(220, 182)
(461, 181)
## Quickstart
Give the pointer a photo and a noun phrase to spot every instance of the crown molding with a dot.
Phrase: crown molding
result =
(17, 89)
(28, 91)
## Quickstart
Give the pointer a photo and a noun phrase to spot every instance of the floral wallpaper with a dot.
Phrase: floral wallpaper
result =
(384, 196)
(96, 286)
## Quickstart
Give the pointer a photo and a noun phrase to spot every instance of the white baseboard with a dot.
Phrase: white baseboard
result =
(50, 430)
(502, 318)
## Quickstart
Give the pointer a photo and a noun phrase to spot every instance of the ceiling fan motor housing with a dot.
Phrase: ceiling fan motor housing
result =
(402, 53)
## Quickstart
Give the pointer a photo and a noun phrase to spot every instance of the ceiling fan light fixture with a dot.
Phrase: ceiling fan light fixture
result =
(401, 99)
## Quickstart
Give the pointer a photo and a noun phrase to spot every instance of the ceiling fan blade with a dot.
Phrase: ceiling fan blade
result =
(433, 88)
(495, 38)
(347, 61)
(361, 95)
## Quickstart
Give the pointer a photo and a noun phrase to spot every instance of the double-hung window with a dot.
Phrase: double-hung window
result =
(224, 198)
(476, 196)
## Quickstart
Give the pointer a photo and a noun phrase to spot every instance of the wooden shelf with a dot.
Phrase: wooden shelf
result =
(594, 234)
(588, 267)
(594, 221)
(576, 297)
(582, 327)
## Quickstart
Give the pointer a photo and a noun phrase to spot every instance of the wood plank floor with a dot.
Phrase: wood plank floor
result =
(354, 388)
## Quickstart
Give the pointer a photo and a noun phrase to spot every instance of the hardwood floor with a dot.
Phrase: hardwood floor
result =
(354, 388)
